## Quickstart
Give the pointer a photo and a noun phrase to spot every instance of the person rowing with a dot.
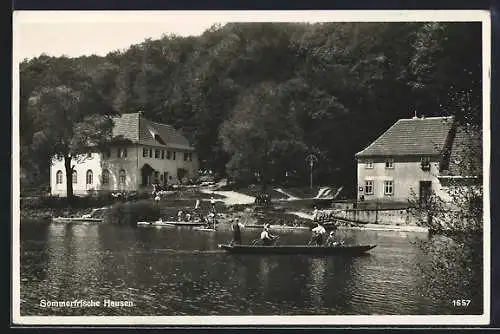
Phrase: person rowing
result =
(267, 238)
(318, 236)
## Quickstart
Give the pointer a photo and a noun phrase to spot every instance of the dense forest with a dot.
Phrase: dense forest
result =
(256, 98)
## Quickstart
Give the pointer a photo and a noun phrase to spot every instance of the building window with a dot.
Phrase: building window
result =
(369, 164)
(426, 163)
(186, 156)
(150, 152)
(145, 152)
(173, 155)
(369, 187)
(59, 177)
(90, 177)
(105, 177)
(74, 177)
(388, 187)
(163, 154)
(389, 163)
(157, 154)
(122, 176)
(169, 155)
(190, 156)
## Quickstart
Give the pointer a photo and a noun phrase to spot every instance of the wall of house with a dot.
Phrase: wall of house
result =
(97, 164)
(131, 164)
(169, 166)
(406, 174)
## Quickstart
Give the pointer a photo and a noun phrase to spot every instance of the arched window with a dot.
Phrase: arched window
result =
(90, 177)
(59, 177)
(105, 177)
(74, 177)
(122, 176)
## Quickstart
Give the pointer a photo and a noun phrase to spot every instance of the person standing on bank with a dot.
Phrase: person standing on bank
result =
(212, 202)
(315, 216)
(236, 228)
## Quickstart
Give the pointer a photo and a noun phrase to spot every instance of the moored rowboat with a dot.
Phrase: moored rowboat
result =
(169, 223)
(76, 220)
(298, 249)
(205, 229)
(280, 227)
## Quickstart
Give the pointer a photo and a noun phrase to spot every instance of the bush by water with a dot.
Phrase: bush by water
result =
(129, 213)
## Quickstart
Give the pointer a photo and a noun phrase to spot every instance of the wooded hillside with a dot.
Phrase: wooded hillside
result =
(258, 97)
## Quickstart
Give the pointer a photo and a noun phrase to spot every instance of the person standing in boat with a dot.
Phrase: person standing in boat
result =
(236, 228)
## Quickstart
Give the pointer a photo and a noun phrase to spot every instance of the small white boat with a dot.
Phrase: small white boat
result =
(76, 220)
(87, 218)
(205, 229)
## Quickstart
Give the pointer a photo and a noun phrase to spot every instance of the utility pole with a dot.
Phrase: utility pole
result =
(311, 159)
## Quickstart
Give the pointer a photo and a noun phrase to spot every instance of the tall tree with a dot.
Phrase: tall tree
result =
(70, 120)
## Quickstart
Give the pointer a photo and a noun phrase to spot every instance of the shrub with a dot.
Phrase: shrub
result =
(129, 213)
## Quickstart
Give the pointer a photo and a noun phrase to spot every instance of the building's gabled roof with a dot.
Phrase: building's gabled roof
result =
(139, 130)
(415, 136)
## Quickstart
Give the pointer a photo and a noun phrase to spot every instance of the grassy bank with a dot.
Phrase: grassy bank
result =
(45, 207)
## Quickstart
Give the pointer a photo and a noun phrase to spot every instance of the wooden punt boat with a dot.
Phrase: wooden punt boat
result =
(298, 249)
(280, 227)
(169, 223)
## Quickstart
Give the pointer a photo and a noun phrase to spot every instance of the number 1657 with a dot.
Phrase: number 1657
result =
(461, 302)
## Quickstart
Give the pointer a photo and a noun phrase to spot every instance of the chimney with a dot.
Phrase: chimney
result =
(415, 114)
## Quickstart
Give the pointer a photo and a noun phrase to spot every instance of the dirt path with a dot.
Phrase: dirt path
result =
(231, 197)
(290, 196)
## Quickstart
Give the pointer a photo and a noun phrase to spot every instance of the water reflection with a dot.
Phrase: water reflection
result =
(180, 271)
(317, 285)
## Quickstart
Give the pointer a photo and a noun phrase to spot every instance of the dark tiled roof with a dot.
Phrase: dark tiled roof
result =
(142, 131)
(415, 136)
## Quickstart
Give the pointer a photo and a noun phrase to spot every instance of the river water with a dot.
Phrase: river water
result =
(180, 271)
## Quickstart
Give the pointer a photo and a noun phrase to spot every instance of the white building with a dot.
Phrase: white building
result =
(143, 152)
(418, 156)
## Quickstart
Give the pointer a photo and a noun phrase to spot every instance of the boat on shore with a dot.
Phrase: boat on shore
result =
(297, 249)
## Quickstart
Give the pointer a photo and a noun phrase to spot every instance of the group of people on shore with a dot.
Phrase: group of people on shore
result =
(196, 215)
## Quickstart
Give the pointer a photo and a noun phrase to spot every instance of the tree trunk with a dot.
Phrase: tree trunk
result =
(69, 177)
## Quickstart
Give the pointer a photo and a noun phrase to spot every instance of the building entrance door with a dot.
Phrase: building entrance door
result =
(165, 179)
(425, 190)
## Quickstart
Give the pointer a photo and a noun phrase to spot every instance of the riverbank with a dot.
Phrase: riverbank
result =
(375, 227)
